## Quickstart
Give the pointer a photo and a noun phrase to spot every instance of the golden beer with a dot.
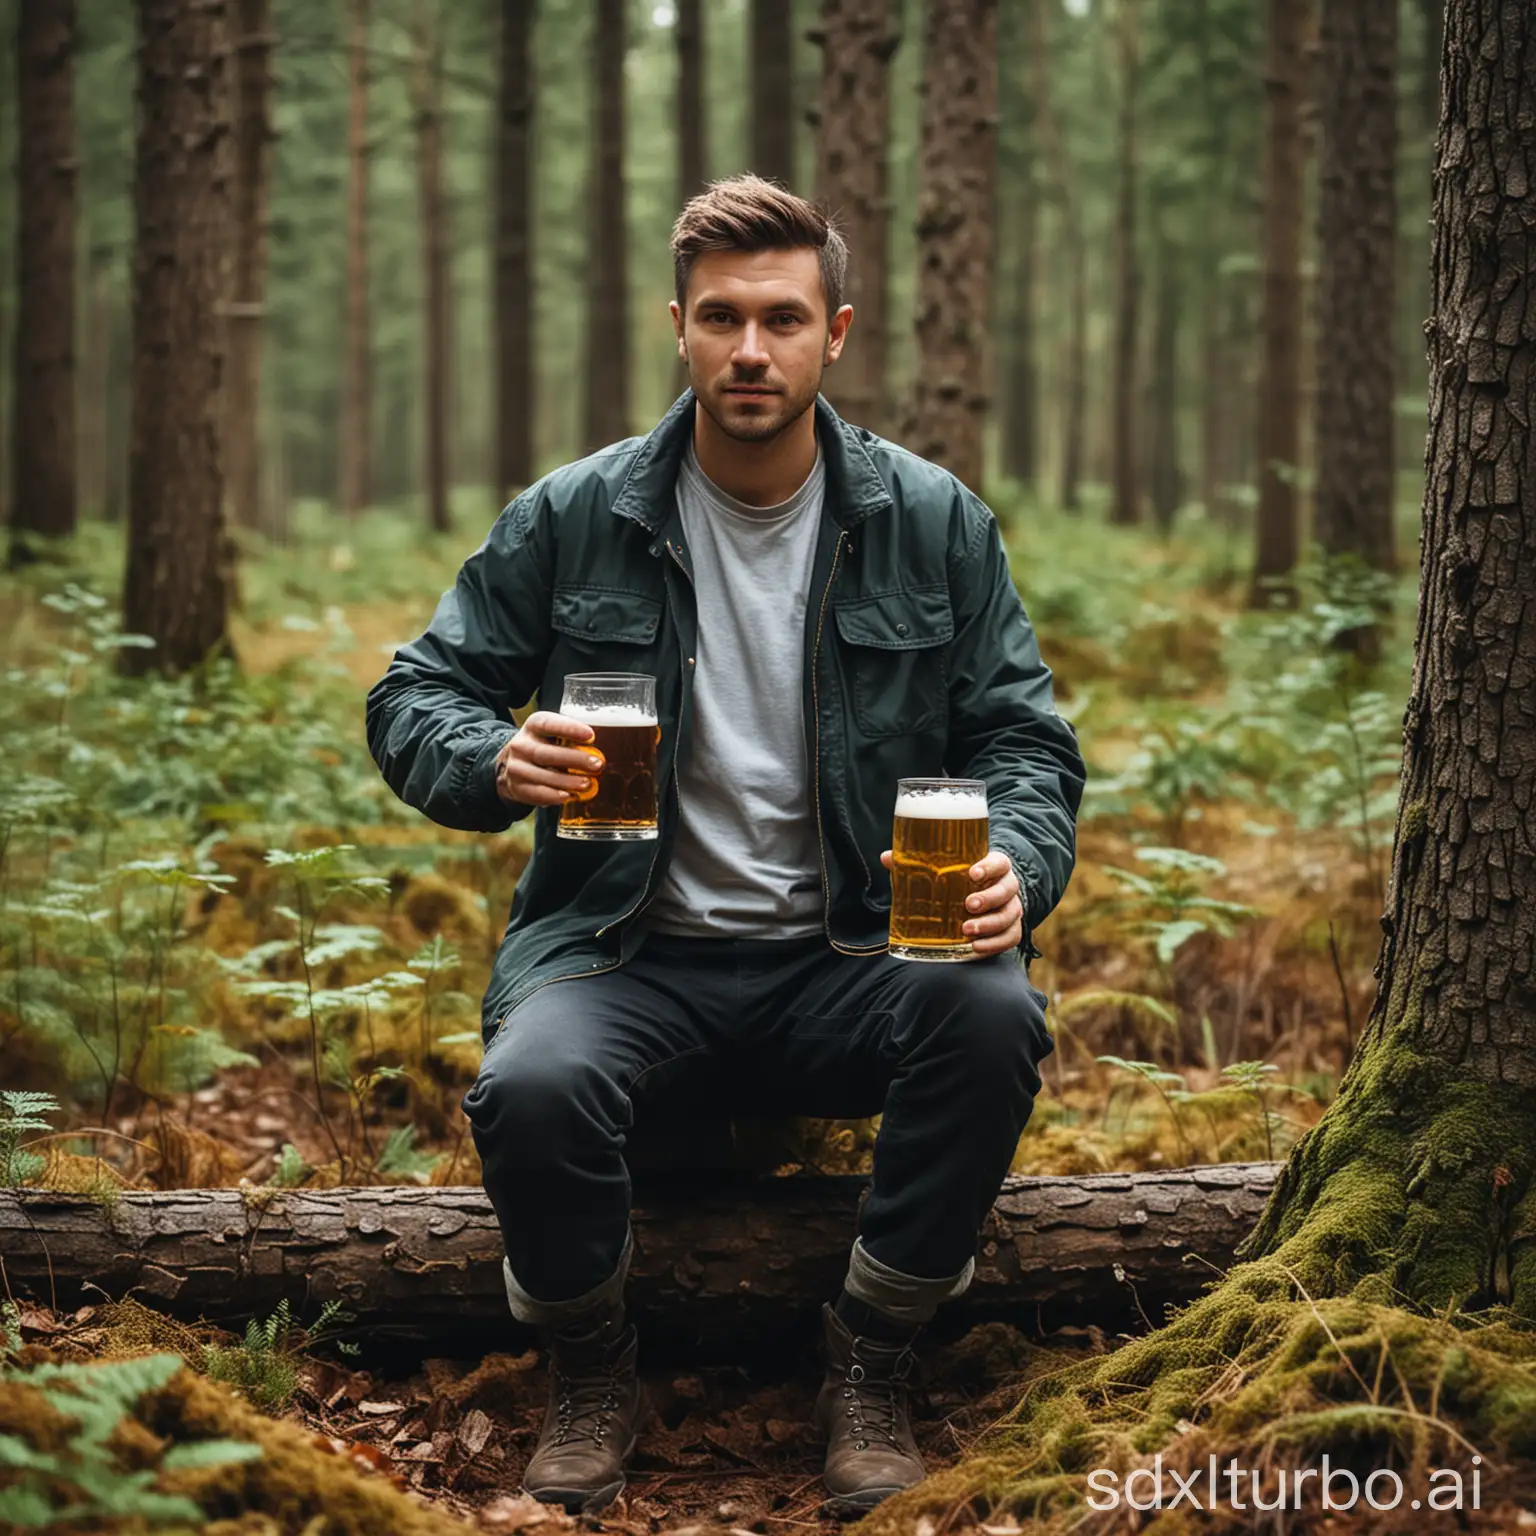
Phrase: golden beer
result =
(940, 832)
(620, 802)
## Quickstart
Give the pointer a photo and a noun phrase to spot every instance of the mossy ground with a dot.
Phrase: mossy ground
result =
(1348, 1333)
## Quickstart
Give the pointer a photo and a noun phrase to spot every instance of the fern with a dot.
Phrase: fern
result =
(84, 1481)
(21, 1112)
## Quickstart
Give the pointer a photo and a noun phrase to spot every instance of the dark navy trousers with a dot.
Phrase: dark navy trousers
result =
(948, 1054)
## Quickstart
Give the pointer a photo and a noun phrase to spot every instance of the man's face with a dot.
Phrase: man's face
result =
(755, 337)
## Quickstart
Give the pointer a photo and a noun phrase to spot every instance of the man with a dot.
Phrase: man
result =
(823, 613)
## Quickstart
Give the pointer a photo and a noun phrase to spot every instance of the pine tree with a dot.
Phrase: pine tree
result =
(1279, 412)
(1357, 237)
(607, 340)
(177, 584)
(858, 39)
(514, 250)
(43, 388)
(955, 233)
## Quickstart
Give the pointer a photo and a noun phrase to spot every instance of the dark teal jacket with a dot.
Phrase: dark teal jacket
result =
(919, 661)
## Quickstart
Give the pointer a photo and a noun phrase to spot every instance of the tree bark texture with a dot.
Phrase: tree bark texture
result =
(858, 39)
(771, 67)
(1426, 1163)
(43, 492)
(436, 304)
(1064, 187)
(1357, 235)
(957, 167)
(692, 119)
(720, 1261)
(607, 344)
(179, 573)
(252, 82)
(1125, 508)
(1019, 418)
(355, 489)
(514, 251)
(1279, 425)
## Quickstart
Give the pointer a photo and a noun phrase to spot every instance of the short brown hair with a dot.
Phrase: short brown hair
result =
(747, 213)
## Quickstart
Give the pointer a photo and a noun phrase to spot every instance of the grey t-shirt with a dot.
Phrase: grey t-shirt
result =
(746, 863)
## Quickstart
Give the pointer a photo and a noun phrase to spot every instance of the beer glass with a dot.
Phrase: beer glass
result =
(619, 803)
(940, 833)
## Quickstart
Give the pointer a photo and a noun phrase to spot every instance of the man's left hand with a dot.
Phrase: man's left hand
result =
(996, 920)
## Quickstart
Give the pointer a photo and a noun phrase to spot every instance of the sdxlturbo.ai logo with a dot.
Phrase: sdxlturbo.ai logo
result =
(1251, 1488)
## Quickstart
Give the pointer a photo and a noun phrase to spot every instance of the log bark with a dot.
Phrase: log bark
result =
(714, 1263)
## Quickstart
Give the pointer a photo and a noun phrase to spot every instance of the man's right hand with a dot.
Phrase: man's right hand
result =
(539, 766)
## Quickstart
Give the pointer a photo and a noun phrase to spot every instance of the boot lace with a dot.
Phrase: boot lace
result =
(875, 1406)
(585, 1402)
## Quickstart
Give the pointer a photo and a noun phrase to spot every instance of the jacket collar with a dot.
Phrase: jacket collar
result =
(854, 487)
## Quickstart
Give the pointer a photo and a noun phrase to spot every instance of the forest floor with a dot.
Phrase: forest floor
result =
(724, 1448)
(228, 956)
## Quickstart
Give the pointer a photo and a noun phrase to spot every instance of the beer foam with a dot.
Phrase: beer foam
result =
(609, 714)
(941, 804)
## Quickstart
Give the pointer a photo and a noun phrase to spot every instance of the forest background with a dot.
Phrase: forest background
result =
(1152, 274)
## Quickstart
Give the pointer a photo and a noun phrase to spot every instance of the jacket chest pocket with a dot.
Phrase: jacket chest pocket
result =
(600, 622)
(895, 651)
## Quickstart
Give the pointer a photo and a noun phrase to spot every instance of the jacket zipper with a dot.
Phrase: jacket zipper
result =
(821, 849)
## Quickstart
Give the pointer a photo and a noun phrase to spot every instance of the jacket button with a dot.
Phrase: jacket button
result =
(901, 629)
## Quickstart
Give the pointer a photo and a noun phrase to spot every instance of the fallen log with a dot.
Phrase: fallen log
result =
(713, 1265)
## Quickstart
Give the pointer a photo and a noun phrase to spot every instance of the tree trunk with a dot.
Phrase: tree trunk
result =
(956, 172)
(355, 489)
(436, 306)
(252, 84)
(514, 251)
(607, 342)
(719, 1262)
(1124, 471)
(692, 119)
(179, 571)
(771, 65)
(1217, 362)
(1357, 236)
(1063, 180)
(1431, 1145)
(858, 39)
(1165, 475)
(1279, 423)
(43, 491)
(93, 386)
(1434, 43)
(1019, 417)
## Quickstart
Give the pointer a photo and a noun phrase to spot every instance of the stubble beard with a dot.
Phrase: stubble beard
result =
(760, 428)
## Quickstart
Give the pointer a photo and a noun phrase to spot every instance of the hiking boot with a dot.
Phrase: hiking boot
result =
(862, 1407)
(594, 1412)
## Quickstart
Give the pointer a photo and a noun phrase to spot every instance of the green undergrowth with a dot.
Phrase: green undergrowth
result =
(1259, 1373)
